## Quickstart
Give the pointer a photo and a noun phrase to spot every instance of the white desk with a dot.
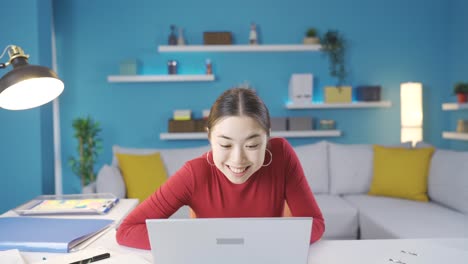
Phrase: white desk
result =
(437, 251)
(335, 251)
(430, 251)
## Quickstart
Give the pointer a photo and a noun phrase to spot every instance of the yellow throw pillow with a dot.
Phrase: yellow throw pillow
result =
(401, 172)
(143, 174)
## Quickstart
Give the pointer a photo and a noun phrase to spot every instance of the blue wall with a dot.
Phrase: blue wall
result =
(457, 65)
(26, 167)
(389, 42)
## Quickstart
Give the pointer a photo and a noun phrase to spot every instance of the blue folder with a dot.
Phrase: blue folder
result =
(38, 234)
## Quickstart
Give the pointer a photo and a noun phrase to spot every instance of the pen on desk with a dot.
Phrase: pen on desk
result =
(92, 259)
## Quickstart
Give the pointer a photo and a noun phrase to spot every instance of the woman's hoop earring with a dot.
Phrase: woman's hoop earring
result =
(271, 158)
(208, 159)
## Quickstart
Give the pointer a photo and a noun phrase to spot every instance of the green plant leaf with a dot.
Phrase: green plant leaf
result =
(86, 131)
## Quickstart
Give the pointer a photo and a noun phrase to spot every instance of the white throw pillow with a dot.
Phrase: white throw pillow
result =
(173, 159)
(448, 179)
(110, 180)
(422, 144)
(314, 161)
(351, 168)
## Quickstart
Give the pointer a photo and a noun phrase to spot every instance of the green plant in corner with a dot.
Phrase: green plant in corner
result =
(89, 146)
(334, 46)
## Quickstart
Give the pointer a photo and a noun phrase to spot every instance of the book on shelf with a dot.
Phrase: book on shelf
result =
(68, 204)
(43, 234)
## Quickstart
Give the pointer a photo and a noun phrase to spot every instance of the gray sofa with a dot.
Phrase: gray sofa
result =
(340, 176)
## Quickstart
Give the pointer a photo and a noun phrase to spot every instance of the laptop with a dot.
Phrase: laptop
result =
(230, 240)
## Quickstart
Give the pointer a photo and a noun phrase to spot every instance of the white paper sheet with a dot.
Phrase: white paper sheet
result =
(115, 257)
(12, 256)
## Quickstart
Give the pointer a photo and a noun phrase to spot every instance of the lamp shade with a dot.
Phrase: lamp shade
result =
(27, 86)
(411, 111)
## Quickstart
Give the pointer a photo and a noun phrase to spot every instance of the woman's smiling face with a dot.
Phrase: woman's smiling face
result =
(238, 144)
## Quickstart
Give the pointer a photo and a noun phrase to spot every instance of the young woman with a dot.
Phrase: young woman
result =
(246, 174)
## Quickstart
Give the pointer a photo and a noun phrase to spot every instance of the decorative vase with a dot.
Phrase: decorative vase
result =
(311, 40)
(462, 98)
(90, 188)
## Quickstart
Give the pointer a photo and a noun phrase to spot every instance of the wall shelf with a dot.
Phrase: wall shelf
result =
(287, 134)
(455, 135)
(240, 48)
(454, 106)
(306, 134)
(161, 78)
(339, 105)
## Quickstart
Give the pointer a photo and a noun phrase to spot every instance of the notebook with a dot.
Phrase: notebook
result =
(39, 234)
(68, 204)
(230, 240)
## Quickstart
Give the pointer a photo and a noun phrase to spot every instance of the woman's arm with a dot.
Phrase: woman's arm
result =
(299, 196)
(165, 201)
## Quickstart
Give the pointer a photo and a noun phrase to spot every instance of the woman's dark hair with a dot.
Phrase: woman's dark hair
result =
(239, 102)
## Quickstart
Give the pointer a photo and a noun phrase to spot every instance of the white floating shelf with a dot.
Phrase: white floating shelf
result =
(454, 106)
(305, 134)
(161, 78)
(455, 135)
(339, 105)
(287, 134)
(240, 48)
(183, 136)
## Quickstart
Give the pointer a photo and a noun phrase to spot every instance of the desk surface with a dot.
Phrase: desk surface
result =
(450, 250)
(435, 251)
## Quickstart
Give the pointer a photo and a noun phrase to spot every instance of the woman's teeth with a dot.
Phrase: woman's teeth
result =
(237, 170)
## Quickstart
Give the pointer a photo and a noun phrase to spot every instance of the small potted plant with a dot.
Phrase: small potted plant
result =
(461, 90)
(89, 146)
(334, 47)
(311, 37)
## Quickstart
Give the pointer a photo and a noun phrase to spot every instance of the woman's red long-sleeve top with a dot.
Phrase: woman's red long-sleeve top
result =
(210, 194)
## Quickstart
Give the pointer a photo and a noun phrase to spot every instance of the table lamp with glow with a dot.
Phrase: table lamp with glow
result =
(26, 86)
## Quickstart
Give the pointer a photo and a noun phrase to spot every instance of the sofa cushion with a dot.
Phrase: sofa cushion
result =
(351, 167)
(423, 144)
(401, 173)
(384, 217)
(341, 219)
(314, 161)
(183, 212)
(110, 180)
(448, 179)
(173, 159)
(142, 174)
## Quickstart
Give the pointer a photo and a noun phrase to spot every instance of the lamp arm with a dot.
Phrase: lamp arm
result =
(4, 51)
(5, 64)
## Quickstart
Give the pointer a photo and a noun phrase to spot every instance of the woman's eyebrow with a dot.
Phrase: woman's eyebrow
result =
(249, 137)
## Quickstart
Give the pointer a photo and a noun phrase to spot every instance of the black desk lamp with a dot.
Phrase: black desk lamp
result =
(26, 86)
